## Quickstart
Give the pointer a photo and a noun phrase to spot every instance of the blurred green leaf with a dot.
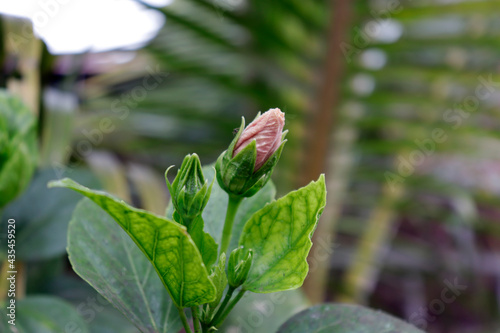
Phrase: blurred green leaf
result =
(44, 314)
(343, 318)
(18, 147)
(257, 313)
(42, 215)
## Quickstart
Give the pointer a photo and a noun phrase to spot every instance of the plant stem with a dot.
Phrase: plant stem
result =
(232, 208)
(219, 312)
(196, 318)
(184, 320)
(231, 305)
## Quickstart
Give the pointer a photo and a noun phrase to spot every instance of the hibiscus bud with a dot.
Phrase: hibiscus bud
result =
(189, 190)
(266, 130)
(248, 163)
(238, 267)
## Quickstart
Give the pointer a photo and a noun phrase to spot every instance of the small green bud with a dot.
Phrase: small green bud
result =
(247, 165)
(189, 190)
(238, 266)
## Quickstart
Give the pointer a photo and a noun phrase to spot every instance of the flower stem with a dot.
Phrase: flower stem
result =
(226, 300)
(184, 320)
(232, 208)
(217, 321)
(196, 318)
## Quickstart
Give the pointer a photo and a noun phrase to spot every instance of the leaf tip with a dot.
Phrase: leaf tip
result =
(57, 183)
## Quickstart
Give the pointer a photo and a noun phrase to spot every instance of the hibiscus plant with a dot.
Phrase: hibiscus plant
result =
(217, 241)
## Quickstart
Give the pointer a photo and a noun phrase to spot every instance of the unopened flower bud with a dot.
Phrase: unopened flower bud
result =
(238, 267)
(189, 190)
(248, 163)
(266, 130)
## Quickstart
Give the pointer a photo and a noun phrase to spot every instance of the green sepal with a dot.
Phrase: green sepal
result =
(236, 175)
(230, 149)
(240, 262)
(262, 176)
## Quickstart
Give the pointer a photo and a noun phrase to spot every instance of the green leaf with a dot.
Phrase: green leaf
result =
(205, 243)
(257, 313)
(118, 270)
(345, 318)
(280, 237)
(43, 314)
(219, 279)
(165, 243)
(100, 315)
(18, 147)
(42, 215)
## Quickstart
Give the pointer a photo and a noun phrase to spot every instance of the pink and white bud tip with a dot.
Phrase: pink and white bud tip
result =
(266, 130)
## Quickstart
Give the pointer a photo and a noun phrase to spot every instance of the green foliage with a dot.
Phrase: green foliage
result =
(44, 314)
(219, 279)
(343, 318)
(42, 216)
(166, 244)
(18, 147)
(204, 242)
(176, 257)
(119, 270)
(280, 237)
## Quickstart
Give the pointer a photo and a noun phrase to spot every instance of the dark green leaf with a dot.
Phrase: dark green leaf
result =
(259, 313)
(42, 215)
(42, 314)
(166, 244)
(345, 318)
(280, 237)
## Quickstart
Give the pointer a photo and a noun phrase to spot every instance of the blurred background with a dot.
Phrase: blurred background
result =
(396, 101)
